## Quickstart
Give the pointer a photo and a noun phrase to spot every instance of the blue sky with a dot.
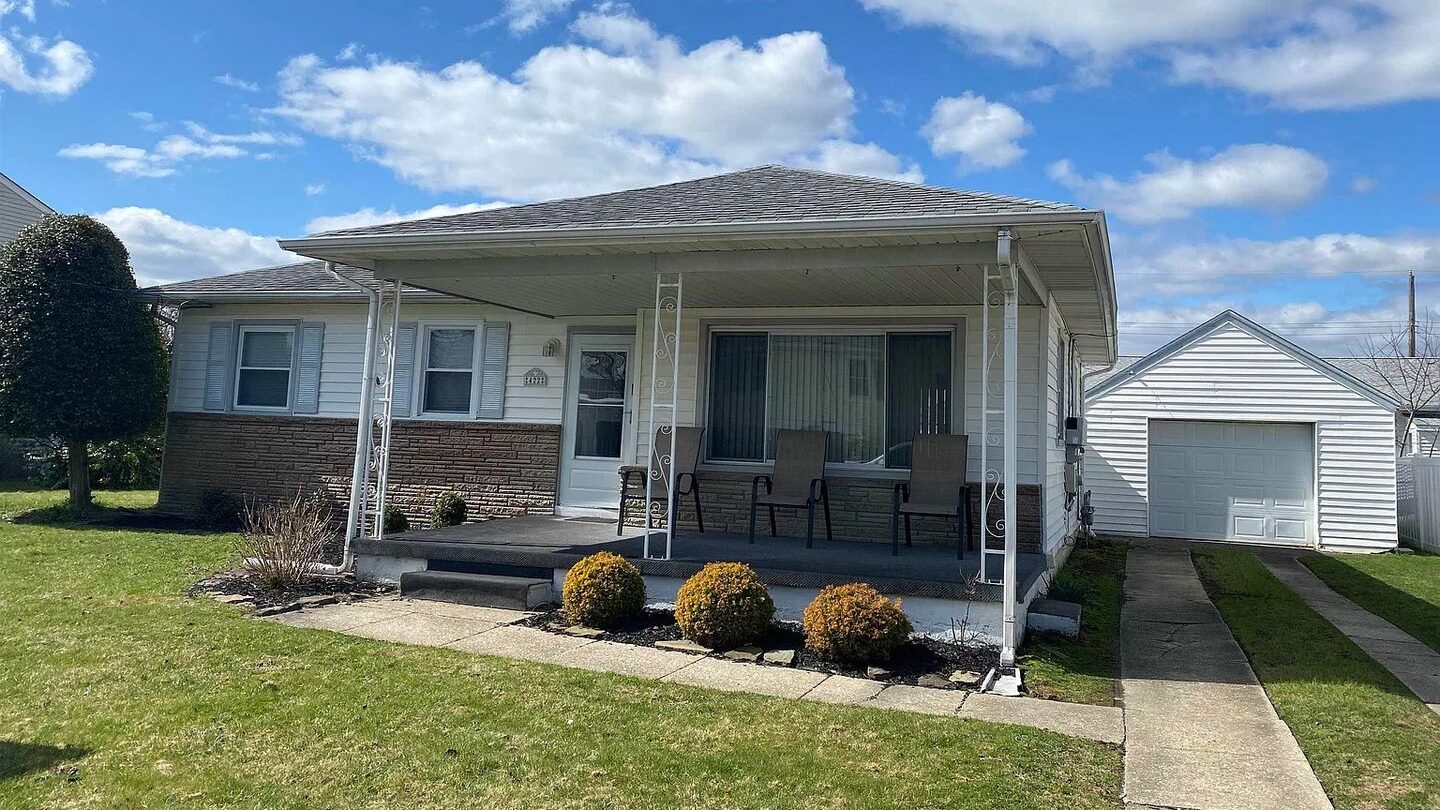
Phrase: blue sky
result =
(1271, 155)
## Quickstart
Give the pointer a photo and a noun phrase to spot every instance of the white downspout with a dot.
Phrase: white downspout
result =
(1005, 680)
(365, 421)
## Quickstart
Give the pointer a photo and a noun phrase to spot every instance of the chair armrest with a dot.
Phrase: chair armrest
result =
(755, 486)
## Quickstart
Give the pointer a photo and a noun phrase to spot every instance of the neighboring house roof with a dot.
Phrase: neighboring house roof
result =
(301, 280)
(761, 194)
(19, 191)
(18, 209)
(1232, 318)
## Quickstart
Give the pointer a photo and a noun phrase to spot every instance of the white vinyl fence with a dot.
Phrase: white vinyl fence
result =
(1417, 483)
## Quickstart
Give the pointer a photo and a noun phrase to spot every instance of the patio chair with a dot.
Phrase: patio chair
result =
(797, 483)
(938, 486)
(687, 455)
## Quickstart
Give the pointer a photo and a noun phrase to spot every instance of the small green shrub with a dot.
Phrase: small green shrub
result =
(449, 510)
(220, 510)
(725, 605)
(854, 624)
(603, 590)
(395, 521)
(1065, 589)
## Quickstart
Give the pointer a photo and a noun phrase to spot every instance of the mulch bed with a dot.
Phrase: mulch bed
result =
(241, 584)
(916, 659)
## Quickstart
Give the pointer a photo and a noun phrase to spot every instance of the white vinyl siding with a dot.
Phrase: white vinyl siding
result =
(16, 212)
(1231, 375)
(344, 353)
(1059, 520)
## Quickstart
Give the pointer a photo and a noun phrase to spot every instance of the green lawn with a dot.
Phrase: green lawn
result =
(1083, 670)
(118, 691)
(1401, 588)
(1371, 742)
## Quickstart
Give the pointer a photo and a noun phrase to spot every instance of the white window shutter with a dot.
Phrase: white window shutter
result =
(217, 366)
(492, 371)
(404, 370)
(307, 373)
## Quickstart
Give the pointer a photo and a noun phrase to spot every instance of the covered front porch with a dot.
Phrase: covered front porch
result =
(939, 592)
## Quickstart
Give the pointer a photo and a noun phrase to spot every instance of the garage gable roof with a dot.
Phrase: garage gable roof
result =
(1232, 318)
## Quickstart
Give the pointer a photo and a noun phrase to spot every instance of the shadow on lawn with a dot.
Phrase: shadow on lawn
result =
(18, 759)
(1401, 608)
(98, 517)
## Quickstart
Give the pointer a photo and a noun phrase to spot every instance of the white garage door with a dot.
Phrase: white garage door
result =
(1241, 481)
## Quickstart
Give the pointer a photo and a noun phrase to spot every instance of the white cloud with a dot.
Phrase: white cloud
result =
(350, 52)
(239, 84)
(524, 16)
(147, 121)
(31, 64)
(1157, 264)
(314, 189)
(1363, 184)
(1315, 325)
(25, 8)
(1029, 30)
(1342, 55)
(174, 150)
(1305, 54)
(1268, 176)
(867, 159)
(129, 160)
(164, 249)
(983, 134)
(370, 216)
(624, 106)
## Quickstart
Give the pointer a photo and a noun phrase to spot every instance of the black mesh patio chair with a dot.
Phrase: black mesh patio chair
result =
(938, 486)
(797, 483)
(687, 456)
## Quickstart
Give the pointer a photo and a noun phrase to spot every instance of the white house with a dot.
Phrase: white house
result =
(535, 349)
(18, 208)
(1233, 433)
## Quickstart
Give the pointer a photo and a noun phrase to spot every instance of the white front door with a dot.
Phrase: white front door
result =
(1238, 481)
(597, 421)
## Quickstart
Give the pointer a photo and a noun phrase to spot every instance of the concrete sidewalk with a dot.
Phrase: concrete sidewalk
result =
(490, 631)
(1199, 729)
(1413, 662)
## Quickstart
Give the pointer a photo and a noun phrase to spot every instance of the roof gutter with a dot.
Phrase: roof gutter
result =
(533, 237)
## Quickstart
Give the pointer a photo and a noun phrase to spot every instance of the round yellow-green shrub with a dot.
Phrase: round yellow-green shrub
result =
(603, 590)
(725, 605)
(854, 624)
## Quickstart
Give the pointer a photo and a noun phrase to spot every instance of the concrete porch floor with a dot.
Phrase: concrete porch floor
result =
(544, 542)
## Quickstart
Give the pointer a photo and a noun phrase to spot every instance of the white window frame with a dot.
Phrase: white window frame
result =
(247, 328)
(954, 327)
(422, 377)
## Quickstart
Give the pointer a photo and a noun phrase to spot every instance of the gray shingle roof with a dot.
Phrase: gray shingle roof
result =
(301, 277)
(762, 194)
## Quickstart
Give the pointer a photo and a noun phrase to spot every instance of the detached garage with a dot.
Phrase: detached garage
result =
(1233, 433)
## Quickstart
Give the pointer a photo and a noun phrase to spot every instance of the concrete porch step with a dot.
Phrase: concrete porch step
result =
(480, 590)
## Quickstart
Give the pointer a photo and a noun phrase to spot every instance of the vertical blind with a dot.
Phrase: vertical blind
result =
(872, 393)
(832, 383)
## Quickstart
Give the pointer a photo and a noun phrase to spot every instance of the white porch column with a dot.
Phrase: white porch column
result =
(664, 401)
(384, 418)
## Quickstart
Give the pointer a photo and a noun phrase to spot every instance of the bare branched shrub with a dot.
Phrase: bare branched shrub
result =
(280, 542)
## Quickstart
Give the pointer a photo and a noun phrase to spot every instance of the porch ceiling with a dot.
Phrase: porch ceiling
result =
(572, 275)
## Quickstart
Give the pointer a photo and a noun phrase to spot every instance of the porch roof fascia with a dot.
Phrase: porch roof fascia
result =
(695, 235)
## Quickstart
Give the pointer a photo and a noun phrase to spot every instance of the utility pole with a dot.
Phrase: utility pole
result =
(1412, 313)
